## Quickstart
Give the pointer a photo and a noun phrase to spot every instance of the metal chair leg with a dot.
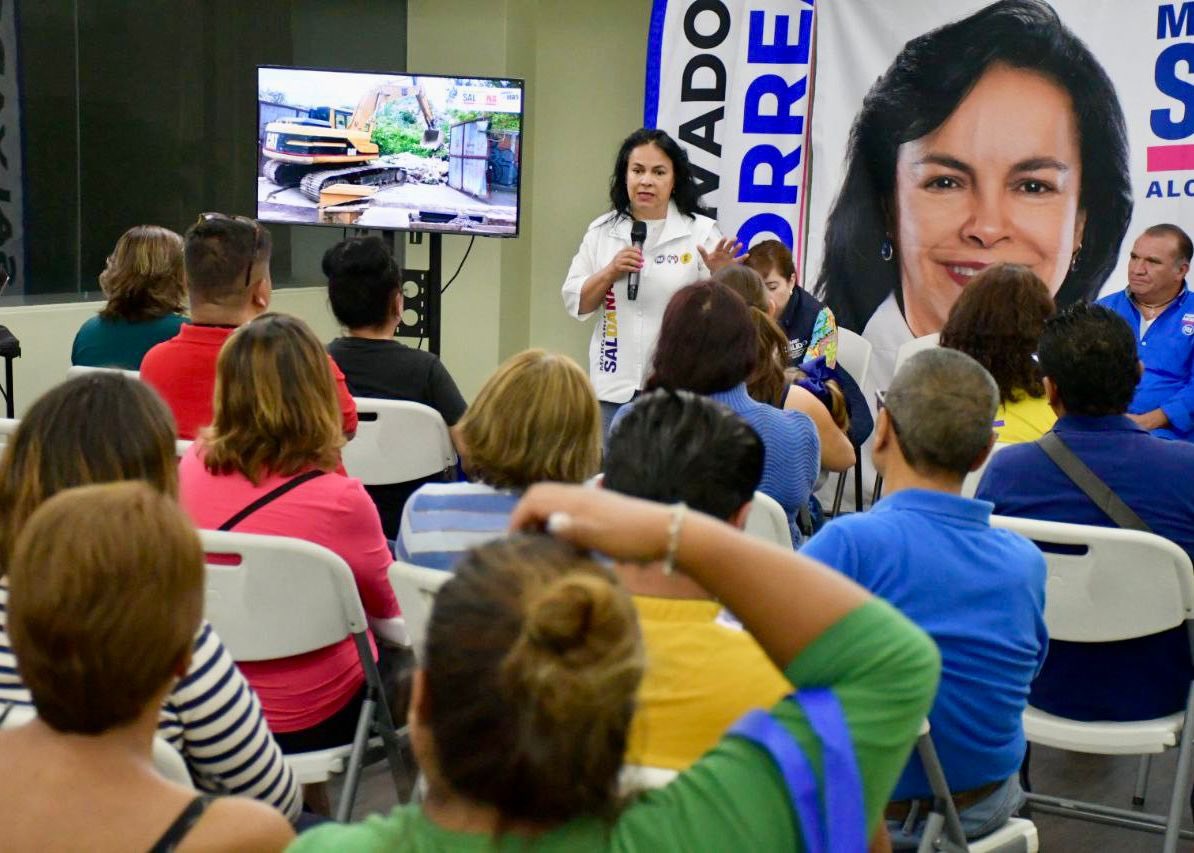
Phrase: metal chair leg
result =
(1181, 784)
(1142, 780)
(838, 493)
(356, 760)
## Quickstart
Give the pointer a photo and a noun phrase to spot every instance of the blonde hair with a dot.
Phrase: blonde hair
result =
(143, 278)
(533, 662)
(536, 418)
(275, 408)
(101, 622)
(96, 428)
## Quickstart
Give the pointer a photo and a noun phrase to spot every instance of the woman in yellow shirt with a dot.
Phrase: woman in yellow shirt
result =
(997, 321)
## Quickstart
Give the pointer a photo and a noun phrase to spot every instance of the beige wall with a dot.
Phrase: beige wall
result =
(583, 63)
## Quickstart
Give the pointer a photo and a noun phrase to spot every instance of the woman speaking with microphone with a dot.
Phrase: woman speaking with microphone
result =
(654, 241)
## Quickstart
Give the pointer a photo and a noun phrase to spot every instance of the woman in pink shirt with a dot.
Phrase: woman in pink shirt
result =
(276, 423)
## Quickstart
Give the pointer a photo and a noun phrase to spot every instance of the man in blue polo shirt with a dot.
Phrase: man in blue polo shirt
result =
(1087, 354)
(978, 591)
(1160, 311)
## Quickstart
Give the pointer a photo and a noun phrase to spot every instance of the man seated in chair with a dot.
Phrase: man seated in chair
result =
(978, 591)
(228, 284)
(704, 671)
(1087, 354)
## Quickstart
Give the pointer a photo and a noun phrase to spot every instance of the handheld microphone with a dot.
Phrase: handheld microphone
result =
(638, 236)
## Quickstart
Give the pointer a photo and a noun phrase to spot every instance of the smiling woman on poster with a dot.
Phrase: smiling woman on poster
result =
(997, 138)
(652, 183)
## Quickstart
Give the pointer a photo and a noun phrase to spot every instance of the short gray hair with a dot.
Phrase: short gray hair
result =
(942, 406)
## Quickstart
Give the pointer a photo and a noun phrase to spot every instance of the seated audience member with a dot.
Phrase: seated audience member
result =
(143, 282)
(102, 428)
(769, 383)
(1159, 308)
(1088, 357)
(807, 323)
(228, 283)
(535, 419)
(708, 344)
(118, 606)
(365, 290)
(522, 709)
(997, 321)
(977, 590)
(704, 671)
(272, 447)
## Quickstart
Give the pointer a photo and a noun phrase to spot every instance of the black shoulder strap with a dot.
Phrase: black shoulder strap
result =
(1090, 483)
(270, 497)
(182, 824)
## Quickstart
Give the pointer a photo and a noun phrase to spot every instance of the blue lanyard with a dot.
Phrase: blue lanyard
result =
(841, 826)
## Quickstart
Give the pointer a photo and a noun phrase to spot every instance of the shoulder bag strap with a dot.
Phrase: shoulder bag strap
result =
(270, 497)
(1090, 483)
(841, 826)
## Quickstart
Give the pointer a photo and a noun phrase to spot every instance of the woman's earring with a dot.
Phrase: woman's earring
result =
(1074, 258)
(886, 251)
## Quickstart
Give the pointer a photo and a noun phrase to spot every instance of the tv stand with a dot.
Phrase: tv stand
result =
(427, 284)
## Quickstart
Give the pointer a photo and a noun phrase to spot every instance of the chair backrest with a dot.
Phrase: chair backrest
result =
(274, 597)
(7, 427)
(912, 347)
(970, 484)
(396, 442)
(166, 759)
(181, 446)
(854, 354)
(768, 521)
(1124, 584)
(83, 370)
(415, 588)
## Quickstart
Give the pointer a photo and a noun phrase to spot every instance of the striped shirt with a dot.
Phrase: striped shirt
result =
(442, 520)
(212, 717)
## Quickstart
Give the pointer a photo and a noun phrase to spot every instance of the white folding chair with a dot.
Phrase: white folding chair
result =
(83, 370)
(415, 588)
(768, 521)
(181, 446)
(970, 484)
(286, 597)
(912, 347)
(854, 355)
(166, 759)
(943, 828)
(396, 442)
(1126, 584)
(7, 427)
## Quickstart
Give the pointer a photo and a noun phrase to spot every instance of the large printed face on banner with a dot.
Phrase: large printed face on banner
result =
(972, 133)
(997, 182)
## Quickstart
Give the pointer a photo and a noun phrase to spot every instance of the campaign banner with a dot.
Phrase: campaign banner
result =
(12, 197)
(1144, 50)
(731, 81)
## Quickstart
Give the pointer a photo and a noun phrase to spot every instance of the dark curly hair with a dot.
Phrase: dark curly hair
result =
(362, 280)
(684, 190)
(1089, 353)
(998, 321)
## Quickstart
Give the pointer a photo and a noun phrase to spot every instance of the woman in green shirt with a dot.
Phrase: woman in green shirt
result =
(144, 283)
(520, 713)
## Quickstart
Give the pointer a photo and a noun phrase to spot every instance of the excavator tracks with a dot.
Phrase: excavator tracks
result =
(379, 176)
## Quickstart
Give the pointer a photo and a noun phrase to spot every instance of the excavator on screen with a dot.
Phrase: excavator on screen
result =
(334, 146)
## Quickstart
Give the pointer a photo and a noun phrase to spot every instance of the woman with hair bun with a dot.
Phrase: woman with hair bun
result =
(143, 280)
(521, 708)
(652, 185)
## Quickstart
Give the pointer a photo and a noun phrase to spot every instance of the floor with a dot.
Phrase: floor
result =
(1108, 780)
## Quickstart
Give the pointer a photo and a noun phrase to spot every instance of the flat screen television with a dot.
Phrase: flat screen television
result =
(410, 152)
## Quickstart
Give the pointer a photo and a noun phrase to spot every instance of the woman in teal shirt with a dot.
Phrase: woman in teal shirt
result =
(144, 283)
(520, 713)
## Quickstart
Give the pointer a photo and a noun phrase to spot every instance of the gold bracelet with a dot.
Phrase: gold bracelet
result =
(673, 537)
